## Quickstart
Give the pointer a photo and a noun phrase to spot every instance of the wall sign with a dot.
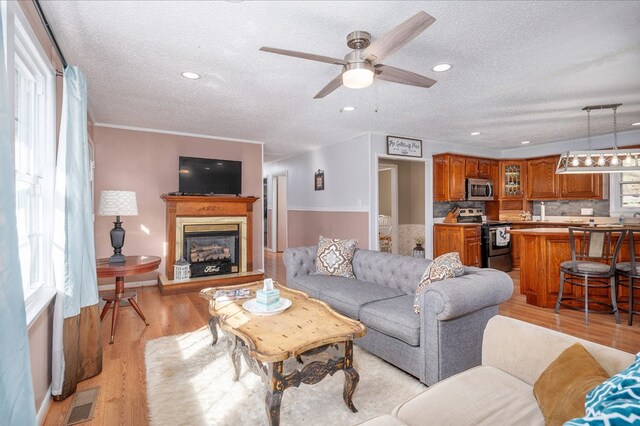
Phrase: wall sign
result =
(404, 146)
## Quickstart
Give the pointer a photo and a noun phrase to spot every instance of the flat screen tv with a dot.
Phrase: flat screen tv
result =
(209, 176)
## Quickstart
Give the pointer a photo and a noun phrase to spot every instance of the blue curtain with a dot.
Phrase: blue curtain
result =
(77, 338)
(17, 404)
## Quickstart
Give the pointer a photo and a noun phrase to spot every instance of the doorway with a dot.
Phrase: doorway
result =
(388, 208)
(401, 197)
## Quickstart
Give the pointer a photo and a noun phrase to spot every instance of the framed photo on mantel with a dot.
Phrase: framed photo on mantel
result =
(404, 146)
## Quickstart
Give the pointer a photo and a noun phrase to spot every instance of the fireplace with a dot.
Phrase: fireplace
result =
(212, 249)
(213, 245)
(221, 228)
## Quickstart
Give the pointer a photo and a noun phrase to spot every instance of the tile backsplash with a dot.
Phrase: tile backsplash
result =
(572, 208)
(553, 208)
(440, 209)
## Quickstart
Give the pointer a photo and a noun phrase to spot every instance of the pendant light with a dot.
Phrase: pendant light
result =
(600, 161)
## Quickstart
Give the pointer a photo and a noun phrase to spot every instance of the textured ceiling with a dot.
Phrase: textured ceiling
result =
(521, 70)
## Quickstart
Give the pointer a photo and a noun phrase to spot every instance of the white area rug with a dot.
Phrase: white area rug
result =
(189, 382)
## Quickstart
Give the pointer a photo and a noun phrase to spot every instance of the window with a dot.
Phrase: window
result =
(625, 193)
(630, 190)
(32, 81)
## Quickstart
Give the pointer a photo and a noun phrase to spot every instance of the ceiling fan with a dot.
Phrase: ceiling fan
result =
(364, 62)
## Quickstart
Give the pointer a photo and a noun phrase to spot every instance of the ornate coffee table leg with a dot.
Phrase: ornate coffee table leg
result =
(213, 326)
(351, 376)
(235, 353)
(274, 392)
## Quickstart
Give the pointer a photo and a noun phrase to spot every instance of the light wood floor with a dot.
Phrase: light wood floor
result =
(122, 399)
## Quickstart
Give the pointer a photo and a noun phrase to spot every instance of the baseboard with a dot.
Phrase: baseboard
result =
(44, 408)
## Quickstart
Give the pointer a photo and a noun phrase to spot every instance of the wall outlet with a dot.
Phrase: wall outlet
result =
(586, 212)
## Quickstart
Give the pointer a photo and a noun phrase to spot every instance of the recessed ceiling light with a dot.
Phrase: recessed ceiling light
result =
(525, 142)
(442, 67)
(474, 133)
(636, 124)
(348, 108)
(191, 75)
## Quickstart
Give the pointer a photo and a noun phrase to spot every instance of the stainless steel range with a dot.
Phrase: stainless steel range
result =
(495, 239)
(496, 245)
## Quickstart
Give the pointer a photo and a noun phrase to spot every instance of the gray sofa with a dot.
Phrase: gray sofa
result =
(443, 340)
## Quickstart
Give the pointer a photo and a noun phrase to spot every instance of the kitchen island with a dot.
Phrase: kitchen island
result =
(541, 251)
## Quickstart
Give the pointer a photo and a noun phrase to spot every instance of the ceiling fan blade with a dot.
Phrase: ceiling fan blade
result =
(303, 55)
(397, 75)
(333, 85)
(391, 41)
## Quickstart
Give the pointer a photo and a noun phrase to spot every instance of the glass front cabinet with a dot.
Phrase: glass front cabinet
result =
(512, 179)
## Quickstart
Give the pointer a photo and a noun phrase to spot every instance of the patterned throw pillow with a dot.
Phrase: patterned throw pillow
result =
(446, 266)
(335, 256)
(615, 401)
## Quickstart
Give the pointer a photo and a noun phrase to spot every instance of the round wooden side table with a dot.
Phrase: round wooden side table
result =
(132, 265)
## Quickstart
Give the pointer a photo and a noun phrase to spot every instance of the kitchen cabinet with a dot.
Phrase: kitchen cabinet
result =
(542, 181)
(544, 184)
(465, 239)
(512, 179)
(472, 246)
(449, 176)
(485, 168)
(471, 167)
(440, 178)
(457, 181)
(582, 187)
(451, 171)
(478, 167)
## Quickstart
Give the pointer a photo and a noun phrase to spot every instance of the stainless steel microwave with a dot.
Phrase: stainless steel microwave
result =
(479, 189)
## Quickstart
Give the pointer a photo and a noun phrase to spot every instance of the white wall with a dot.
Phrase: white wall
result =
(346, 177)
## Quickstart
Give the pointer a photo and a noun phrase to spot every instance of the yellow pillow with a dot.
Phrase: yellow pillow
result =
(561, 389)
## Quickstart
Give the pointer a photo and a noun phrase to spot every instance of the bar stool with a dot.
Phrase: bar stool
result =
(630, 271)
(592, 265)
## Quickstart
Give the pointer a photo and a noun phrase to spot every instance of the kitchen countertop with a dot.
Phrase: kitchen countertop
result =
(457, 224)
(555, 231)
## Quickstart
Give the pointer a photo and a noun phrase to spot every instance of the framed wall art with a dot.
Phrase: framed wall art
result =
(318, 180)
(405, 147)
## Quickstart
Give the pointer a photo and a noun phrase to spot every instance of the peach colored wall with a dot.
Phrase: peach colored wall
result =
(304, 227)
(147, 163)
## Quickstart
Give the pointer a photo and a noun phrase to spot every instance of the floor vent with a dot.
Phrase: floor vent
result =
(82, 406)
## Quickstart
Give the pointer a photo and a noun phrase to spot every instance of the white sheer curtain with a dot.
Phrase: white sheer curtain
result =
(77, 340)
(17, 404)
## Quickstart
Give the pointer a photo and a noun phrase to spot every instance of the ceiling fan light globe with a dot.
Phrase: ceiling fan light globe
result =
(358, 76)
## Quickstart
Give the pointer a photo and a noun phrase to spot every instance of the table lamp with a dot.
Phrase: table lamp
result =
(117, 203)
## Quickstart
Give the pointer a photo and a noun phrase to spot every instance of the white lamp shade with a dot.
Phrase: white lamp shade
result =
(357, 75)
(118, 203)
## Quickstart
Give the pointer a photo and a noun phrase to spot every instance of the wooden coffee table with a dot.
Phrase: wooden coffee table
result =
(308, 328)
